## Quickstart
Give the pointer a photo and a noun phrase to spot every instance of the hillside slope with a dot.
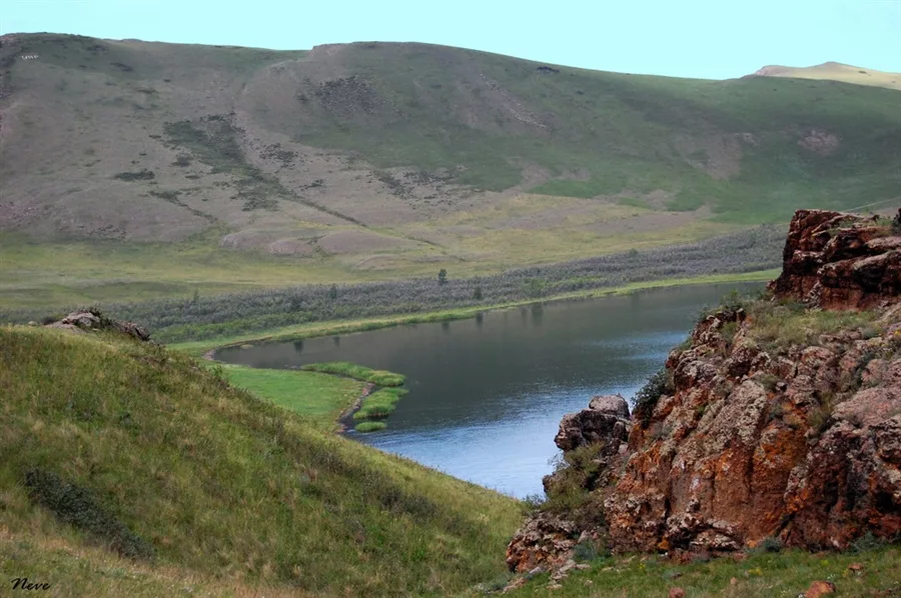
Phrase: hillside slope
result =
(111, 443)
(385, 159)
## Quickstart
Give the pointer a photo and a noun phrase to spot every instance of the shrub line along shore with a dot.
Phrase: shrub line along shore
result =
(207, 348)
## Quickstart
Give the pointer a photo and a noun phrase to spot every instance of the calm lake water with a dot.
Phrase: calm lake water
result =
(487, 394)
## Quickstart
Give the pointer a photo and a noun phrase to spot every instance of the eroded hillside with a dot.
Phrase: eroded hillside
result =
(381, 156)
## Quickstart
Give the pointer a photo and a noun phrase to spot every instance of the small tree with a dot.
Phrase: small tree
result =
(477, 294)
(333, 292)
(442, 276)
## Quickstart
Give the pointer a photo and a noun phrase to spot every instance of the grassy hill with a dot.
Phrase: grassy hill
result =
(109, 446)
(251, 168)
(836, 71)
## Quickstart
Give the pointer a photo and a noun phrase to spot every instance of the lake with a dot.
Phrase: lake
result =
(487, 393)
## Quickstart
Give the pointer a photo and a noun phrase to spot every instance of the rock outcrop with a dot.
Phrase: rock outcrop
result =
(92, 319)
(836, 260)
(754, 442)
(605, 420)
(547, 540)
(778, 420)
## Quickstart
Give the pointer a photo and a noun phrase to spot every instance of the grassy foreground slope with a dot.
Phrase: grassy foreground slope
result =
(253, 168)
(144, 451)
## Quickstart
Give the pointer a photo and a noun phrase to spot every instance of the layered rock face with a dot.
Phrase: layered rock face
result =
(777, 420)
(799, 444)
(839, 261)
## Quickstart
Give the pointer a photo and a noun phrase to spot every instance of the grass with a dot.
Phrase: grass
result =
(778, 574)
(357, 372)
(221, 484)
(779, 326)
(380, 404)
(74, 570)
(319, 397)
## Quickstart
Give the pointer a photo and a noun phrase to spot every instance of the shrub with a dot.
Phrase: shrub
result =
(76, 506)
(867, 542)
(585, 551)
(769, 544)
(646, 398)
(142, 175)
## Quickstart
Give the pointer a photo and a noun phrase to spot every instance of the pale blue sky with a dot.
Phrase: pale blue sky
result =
(710, 39)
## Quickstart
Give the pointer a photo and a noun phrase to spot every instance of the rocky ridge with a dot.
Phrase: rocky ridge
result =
(779, 420)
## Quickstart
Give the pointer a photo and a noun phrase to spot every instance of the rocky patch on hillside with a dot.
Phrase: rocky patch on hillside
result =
(94, 320)
(778, 422)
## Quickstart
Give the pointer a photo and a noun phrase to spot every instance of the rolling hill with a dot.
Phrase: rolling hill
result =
(253, 168)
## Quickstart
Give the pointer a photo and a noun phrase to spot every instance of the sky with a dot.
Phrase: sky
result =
(692, 38)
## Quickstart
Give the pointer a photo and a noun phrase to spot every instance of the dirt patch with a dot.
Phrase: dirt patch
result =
(290, 247)
(649, 222)
(819, 142)
(717, 155)
(360, 241)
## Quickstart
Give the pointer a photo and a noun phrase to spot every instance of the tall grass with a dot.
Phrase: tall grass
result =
(357, 372)
(380, 404)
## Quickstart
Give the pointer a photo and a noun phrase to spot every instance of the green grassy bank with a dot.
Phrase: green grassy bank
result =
(320, 398)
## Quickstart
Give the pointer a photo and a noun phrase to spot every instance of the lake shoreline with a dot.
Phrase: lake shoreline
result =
(487, 394)
(208, 348)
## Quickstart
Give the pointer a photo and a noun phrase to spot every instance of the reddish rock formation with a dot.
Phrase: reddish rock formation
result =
(744, 447)
(606, 420)
(839, 261)
(545, 541)
(774, 422)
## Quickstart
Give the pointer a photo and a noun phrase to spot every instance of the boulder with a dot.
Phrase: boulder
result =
(606, 421)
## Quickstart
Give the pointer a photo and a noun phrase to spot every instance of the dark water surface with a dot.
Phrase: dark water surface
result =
(487, 394)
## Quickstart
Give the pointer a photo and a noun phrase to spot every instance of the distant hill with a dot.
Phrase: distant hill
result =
(836, 71)
(373, 160)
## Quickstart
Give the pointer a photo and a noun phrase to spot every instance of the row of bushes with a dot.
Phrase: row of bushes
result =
(200, 318)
